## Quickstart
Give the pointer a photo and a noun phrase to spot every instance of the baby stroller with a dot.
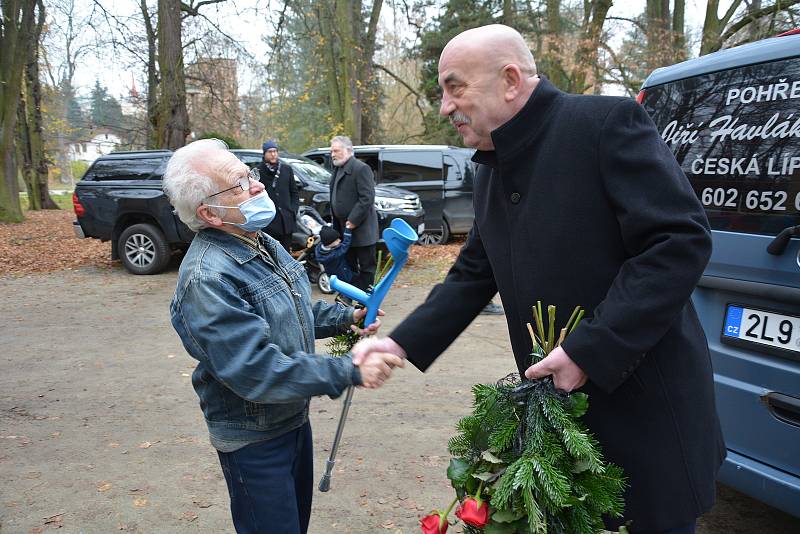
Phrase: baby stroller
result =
(304, 239)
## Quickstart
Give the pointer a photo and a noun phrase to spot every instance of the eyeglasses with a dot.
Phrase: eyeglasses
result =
(243, 183)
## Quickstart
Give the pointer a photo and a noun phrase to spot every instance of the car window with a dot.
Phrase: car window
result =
(251, 160)
(311, 171)
(736, 134)
(124, 169)
(411, 166)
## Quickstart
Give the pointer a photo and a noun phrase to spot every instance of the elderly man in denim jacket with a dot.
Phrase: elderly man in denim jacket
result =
(243, 310)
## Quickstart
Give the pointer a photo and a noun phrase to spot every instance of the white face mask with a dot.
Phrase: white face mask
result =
(258, 212)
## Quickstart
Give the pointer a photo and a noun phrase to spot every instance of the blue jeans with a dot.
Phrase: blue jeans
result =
(270, 484)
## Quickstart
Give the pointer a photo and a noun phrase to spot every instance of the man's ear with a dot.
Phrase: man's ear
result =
(205, 214)
(512, 81)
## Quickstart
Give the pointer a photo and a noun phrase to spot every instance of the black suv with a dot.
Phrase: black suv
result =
(119, 199)
(441, 176)
(313, 183)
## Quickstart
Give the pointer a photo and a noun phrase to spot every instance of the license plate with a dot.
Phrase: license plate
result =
(762, 327)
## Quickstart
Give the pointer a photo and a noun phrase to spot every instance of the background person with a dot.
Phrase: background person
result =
(353, 208)
(278, 179)
(331, 252)
(578, 201)
(243, 310)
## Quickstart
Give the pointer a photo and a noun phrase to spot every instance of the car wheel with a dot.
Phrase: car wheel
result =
(143, 249)
(324, 283)
(438, 236)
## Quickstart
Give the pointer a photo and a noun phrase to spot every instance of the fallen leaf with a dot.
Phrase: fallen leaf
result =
(147, 444)
(104, 486)
(387, 524)
(189, 516)
(140, 503)
(202, 504)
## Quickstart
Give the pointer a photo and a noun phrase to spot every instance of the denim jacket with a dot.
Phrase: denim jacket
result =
(249, 321)
(335, 260)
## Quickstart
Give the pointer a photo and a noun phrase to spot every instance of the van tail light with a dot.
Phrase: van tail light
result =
(80, 211)
(795, 31)
(640, 96)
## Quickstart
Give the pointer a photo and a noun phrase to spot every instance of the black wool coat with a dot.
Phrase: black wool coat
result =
(582, 203)
(282, 189)
(353, 199)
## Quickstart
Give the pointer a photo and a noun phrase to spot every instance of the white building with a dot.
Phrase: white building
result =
(101, 144)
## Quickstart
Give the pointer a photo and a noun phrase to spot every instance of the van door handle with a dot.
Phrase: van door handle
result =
(778, 245)
(784, 407)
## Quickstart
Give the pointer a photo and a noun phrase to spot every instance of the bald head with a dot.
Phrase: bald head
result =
(494, 45)
(487, 75)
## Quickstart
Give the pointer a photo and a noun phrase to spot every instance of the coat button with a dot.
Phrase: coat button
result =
(515, 198)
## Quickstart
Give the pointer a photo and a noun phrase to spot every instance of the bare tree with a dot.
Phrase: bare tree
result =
(16, 31)
(718, 30)
(30, 142)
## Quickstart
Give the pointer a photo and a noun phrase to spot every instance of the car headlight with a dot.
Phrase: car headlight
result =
(391, 204)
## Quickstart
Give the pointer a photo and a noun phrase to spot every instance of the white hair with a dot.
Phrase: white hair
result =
(185, 186)
(345, 141)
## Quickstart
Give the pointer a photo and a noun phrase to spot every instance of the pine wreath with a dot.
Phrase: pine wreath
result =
(524, 455)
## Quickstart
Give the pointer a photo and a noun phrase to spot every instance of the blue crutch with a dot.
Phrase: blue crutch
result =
(398, 238)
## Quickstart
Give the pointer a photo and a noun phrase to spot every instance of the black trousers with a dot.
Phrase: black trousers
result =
(364, 263)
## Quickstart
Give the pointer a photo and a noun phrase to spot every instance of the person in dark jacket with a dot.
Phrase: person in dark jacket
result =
(331, 253)
(578, 201)
(278, 179)
(353, 208)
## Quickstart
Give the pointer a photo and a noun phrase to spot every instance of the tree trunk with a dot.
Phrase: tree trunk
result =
(659, 34)
(508, 12)
(31, 145)
(679, 30)
(368, 94)
(713, 26)
(336, 105)
(584, 79)
(173, 119)
(551, 61)
(151, 139)
(15, 29)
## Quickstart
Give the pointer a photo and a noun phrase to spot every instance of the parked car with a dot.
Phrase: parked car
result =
(441, 176)
(119, 199)
(731, 118)
(313, 184)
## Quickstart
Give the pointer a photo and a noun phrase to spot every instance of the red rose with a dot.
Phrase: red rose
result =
(433, 524)
(473, 512)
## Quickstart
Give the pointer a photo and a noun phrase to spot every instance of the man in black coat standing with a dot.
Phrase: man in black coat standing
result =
(353, 207)
(578, 201)
(278, 179)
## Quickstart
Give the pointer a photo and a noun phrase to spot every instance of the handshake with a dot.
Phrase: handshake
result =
(376, 358)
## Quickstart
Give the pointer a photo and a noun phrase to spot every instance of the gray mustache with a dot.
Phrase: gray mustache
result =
(457, 116)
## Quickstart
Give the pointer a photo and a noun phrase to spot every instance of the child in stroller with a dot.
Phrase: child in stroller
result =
(305, 239)
(331, 253)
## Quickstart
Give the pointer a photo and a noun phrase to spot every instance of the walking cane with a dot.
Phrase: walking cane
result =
(398, 238)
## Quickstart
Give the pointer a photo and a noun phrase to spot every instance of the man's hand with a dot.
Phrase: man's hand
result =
(364, 348)
(566, 374)
(377, 368)
(350, 226)
(359, 314)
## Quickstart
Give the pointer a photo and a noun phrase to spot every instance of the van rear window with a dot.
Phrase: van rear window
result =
(736, 134)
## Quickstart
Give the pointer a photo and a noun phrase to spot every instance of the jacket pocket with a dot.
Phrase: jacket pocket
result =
(258, 412)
